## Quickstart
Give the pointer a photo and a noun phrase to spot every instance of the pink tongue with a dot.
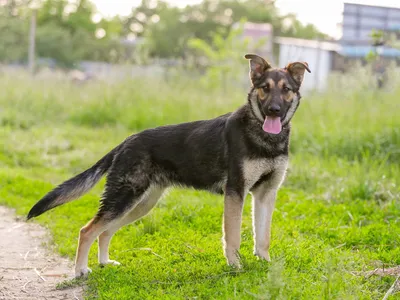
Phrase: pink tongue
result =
(272, 125)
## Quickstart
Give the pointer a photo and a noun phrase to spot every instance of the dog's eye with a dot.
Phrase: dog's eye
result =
(286, 89)
(266, 89)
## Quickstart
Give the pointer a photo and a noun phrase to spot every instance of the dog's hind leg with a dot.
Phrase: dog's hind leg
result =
(121, 195)
(87, 236)
(149, 200)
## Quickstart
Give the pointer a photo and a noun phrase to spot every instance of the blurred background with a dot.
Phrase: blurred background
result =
(118, 39)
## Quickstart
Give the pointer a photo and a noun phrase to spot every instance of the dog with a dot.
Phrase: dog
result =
(245, 151)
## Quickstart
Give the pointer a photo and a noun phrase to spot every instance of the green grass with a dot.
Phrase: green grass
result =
(337, 213)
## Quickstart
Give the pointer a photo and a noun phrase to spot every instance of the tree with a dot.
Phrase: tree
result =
(54, 42)
(67, 33)
(14, 39)
(165, 37)
(14, 8)
(168, 29)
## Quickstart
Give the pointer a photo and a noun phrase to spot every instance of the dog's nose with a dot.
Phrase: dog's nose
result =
(274, 108)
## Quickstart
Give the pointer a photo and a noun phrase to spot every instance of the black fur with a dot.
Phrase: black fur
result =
(89, 177)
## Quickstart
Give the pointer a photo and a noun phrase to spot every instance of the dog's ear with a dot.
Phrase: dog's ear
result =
(297, 69)
(258, 66)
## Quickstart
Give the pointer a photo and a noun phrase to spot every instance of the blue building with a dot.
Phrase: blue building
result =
(358, 23)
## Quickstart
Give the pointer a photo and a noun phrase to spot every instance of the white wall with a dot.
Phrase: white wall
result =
(318, 60)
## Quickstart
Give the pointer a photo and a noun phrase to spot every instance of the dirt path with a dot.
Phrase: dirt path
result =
(27, 269)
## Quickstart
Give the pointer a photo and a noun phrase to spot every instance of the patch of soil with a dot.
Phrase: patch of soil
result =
(394, 271)
(384, 272)
(28, 270)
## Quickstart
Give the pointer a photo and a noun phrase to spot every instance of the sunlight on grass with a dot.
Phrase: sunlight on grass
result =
(337, 213)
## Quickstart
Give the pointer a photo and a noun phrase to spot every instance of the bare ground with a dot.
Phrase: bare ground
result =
(28, 269)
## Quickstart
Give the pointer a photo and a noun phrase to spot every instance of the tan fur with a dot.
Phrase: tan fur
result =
(105, 231)
(258, 65)
(255, 168)
(289, 96)
(87, 236)
(271, 83)
(135, 214)
(263, 206)
(261, 94)
(231, 228)
(253, 103)
(281, 83)
(297, 70)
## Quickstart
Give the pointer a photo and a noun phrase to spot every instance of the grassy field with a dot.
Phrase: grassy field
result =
(337, 214)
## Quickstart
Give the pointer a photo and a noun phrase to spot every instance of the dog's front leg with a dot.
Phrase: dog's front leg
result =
(233, 206)
(263, 207)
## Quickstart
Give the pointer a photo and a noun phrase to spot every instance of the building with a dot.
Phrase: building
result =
(260, 37)
(359, 21)
(321, 57)
(256, 32)
(356, 43)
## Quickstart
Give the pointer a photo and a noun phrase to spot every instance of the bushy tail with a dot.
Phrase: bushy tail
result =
(74, 187)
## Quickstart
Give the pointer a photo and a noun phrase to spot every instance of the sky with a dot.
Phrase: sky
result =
(324, 14)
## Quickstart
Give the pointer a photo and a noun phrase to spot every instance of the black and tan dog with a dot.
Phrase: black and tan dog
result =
(234, 154)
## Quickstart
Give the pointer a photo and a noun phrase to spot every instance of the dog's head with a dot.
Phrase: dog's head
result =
(275, 94)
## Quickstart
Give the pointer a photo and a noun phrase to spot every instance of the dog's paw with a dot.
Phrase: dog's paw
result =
(235, 264)
(264, 255)
(233, 259)
(110, 262)
(82, 272)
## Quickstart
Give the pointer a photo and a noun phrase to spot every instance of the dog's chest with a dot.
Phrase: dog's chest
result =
(254, 169)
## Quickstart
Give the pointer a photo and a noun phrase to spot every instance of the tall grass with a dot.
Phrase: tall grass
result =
(338, 210)
(350, 120)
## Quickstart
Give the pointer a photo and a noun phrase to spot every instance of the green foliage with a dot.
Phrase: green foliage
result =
(165, 37)
(67, 33)
(292, 27)
(81, 17)
(13, 8)
(378, 39)
(13, 35)
(55, 42)
(381, 38)
(169, 37)
(377, 36)
(337, 213)
(224, 56)
(371, 56)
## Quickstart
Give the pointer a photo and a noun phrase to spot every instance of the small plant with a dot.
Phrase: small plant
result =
(224, 56)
